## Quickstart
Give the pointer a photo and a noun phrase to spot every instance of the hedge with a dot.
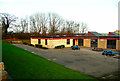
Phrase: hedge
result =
(25, 43)
(44, 48)
(38, 46)
(61, 46)
(31, 45)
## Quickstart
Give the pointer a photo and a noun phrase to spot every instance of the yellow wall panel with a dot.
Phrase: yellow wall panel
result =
(87, 42)
(118, 44)
(102, 43)
(76, 42)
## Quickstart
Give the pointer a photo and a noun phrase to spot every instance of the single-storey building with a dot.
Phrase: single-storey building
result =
(93, 39)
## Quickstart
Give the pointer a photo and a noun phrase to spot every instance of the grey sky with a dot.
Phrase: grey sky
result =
(100, 15)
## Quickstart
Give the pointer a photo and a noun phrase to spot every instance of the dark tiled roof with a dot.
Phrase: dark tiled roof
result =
(95, 33)
(116, 34)
(77, 36)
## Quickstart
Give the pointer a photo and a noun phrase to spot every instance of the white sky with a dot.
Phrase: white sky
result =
(100, 15)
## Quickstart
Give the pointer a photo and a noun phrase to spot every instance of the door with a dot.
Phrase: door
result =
(111, 44)
(80, 42)
(94, 42)
(73, 42)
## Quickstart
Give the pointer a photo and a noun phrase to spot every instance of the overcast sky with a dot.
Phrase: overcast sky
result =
(100, 15)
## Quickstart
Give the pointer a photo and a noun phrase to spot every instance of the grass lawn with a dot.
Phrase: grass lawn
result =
(22, 64)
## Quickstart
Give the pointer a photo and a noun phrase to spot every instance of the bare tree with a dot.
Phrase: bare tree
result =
(38, 23)
(7, 21)
(24, 25)
(43, 24)
(71, 27)
(55, 22)
(84, 27)
(33, 28)
(16, 28)
(76, 27)
(63, 29)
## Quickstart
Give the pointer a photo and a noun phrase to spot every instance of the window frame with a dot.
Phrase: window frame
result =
(46, 42)
(39, 42)
(68, 41)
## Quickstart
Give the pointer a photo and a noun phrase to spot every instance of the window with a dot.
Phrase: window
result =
(39, 41)
(68, 41)
(111, 44)
(45, 41)
(94, 42)
(80, 42)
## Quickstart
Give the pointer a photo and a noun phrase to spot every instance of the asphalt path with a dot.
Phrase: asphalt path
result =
(84, 60)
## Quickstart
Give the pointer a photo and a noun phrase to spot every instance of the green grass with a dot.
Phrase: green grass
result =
(22, 64)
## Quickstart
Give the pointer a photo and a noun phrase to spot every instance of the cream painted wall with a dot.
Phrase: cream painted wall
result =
(68, 45)
(48, 43)
(76, 42)
(57, 42)
(34, 41)
(43, 42)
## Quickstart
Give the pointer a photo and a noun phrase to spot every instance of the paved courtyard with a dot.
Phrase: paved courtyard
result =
(84, 60)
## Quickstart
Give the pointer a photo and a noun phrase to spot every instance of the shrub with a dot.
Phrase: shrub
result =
(25, 43)
(57, 46)
(31, 45)
(61, 46)
(38, 46)
(44, 48)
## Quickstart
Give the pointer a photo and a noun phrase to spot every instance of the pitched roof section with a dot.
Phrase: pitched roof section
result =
(113, 33)
(94, 33)
(117, 31)
(74, 36)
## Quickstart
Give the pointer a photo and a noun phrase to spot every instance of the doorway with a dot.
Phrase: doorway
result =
(80, 42)
(111, 44)
(94, 42)
(73, 42)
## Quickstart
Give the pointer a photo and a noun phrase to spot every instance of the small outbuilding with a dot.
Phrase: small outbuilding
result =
(93, 39)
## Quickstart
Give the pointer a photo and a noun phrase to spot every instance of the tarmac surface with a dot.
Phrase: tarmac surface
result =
(85, 60)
